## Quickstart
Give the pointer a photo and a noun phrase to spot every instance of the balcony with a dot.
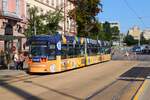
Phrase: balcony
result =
(10, 15)
(10, 9)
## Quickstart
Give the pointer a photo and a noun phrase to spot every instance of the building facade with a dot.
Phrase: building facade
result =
(68, 25)
(135, 32)
(146, 34)
(114, 24)
(12, 23)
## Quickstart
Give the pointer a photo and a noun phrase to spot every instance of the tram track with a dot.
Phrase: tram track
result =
(123, 88)
(128, 91)
(120, 90)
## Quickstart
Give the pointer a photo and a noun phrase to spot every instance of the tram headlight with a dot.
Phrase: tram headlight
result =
(43, 59)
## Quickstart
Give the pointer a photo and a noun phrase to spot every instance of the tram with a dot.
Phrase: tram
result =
(57, 53)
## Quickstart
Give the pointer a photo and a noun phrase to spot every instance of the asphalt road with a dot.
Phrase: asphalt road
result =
(121, 55)
(93, 82)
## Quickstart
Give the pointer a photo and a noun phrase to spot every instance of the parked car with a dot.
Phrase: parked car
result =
(138, 49)
(146, 50)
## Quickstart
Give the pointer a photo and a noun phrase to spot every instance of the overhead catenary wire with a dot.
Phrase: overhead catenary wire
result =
(134, 12)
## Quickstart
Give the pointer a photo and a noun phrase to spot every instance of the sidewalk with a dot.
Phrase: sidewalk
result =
(6, 75)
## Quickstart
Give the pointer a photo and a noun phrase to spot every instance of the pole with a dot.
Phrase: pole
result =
(64, 17)
(120, 39)
(34, 27)
(139, 40)
(75, 15)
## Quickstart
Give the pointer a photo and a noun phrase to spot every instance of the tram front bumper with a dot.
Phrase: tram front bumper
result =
(38, 68)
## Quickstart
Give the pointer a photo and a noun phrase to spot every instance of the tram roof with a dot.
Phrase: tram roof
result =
(50, 38)
(69, 39)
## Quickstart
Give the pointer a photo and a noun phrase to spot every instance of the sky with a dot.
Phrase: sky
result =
(136, 14)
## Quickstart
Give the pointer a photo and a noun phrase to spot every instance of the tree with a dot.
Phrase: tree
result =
(35, 22)
(84, 14)
(115, 33)
(52, 21)
(129, 40)
(42, 23)
(107, 31)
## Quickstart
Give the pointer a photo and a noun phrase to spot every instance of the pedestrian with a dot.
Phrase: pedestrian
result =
(127, 54)
(16, 60)
(22, 59)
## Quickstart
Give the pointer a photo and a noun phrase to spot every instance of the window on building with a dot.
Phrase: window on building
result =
(47, 1)
(41, 11)
(57, 3)
(27, 10)
(52, 2)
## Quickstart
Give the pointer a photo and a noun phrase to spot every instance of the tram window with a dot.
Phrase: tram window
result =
(92, 50)
(81, 50)
(40, 50)
(107, 50)
(99, 50)
(77, 50)
(71, 51)
(52, 46)
(103, 49)
(52, 52)
(64, 51)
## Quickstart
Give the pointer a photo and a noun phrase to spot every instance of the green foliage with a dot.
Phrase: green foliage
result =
(42, 23)
(52, 21)
(84, 14)
(129, 40)
(144, 41)
(105, 32)
(115, 33)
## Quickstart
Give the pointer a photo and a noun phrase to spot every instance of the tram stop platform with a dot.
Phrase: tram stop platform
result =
(144, 91)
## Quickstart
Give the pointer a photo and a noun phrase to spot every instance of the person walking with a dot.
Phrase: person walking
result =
(16, 60)
(22, 59)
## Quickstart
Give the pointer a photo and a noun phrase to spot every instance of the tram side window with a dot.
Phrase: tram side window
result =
(82, 50)
(92, 50)
(71, 51)
(99, 50)
(107, 50)
(102, 50)
(89, 51)
(52, 52)
(64, 51)
(77, 50)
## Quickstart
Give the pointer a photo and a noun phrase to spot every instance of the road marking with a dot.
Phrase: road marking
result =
(140, 91)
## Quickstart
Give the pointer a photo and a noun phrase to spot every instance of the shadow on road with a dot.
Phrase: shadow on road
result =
(137, 72)
(23, 94)
(53, 90)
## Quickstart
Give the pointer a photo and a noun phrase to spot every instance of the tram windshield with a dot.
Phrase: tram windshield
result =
(39, 50)
(43, 50)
